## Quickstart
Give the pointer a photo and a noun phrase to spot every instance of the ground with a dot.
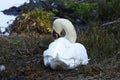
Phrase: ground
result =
(22, 57)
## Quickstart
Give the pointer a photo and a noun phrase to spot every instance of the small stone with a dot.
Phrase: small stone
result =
(2, 67)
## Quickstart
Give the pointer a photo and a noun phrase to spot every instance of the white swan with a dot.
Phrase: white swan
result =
(64, 53)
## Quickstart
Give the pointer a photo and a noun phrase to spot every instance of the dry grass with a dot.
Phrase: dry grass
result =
(19, 53)
(101, 42)
(22, 57)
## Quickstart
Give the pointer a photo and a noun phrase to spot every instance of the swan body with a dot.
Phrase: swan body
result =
(64, 52)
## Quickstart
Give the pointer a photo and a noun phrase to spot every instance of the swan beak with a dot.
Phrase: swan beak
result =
(55, 34)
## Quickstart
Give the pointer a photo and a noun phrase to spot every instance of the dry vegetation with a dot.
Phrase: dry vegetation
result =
(22, 57)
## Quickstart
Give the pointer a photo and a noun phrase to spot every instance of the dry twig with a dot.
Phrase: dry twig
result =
(111, 22)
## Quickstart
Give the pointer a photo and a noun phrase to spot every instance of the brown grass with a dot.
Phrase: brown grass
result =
(22, 57)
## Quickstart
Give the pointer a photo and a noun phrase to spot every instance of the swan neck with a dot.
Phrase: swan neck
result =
(70, 34)
(67, 26)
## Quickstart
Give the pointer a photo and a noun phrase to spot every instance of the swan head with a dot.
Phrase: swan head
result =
(55, 34)
(64, 24)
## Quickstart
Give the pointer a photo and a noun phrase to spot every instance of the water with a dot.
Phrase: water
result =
(6, 20)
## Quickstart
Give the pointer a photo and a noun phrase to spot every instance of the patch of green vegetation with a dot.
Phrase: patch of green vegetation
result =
(35, 22)
(43, 17)
(84, 11)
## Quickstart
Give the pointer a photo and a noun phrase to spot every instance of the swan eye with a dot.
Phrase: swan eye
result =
(55, 34)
